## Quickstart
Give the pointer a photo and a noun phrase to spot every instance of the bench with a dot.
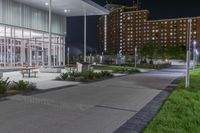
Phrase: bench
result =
(1, 74)
(50, 70)
(29, 74)
(34, 73)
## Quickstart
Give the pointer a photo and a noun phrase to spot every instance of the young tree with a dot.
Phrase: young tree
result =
(114, 1)
(109, 1)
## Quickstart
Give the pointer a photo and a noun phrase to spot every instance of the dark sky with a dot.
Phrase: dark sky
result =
(159, 9)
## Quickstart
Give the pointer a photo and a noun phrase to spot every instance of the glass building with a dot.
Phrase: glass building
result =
(24, 37)
(20, 46)
(26, 27)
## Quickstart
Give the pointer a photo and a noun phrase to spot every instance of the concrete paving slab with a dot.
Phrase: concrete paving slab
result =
(44, 81)
(99, 107)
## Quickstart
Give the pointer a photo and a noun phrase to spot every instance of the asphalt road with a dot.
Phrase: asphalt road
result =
(99, 107)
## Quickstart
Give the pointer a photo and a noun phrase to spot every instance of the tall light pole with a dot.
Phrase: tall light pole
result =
(197, 56)
(85, 35)
(194, 54)
(135, 57)
(187, 77)
(67, 11)
(68, 56)
(50, 34)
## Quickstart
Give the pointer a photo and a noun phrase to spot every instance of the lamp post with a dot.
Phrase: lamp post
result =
(194, 54)
(68, 57)
(135, 57)
(85, 36)
(197, 56)
(68, 49)
(50, 34)
(187, 78)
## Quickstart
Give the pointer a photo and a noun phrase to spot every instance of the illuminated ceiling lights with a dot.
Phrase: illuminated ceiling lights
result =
(67, 11)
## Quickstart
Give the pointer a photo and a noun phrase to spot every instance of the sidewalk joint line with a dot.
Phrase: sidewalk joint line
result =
(114, 108)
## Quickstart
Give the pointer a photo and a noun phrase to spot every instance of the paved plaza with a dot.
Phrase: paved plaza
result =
(44, 81)
(99, 107)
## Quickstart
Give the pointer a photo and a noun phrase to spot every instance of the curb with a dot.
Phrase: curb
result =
(141, 119)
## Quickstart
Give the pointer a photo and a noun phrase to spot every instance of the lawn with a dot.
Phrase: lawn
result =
(181, 112)
(198, 68)
(105, 67)
(117, 69)
(131, 66)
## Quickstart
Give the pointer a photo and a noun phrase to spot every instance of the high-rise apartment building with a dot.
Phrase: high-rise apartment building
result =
(128, 27)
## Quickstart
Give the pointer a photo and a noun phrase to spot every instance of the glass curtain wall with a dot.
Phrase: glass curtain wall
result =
(25, 47)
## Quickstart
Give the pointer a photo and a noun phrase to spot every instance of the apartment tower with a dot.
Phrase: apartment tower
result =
(128, 27)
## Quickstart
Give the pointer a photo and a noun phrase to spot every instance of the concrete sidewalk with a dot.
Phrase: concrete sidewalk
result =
(100, 107)
(44, 81)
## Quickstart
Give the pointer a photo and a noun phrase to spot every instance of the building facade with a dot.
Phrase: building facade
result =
(128, 27)
(24, 37)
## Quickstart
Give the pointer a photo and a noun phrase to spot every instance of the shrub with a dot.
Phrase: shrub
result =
(64, 76)
(154, 66)
(133, 71)
(106, 74)
(125, 70)
(4, 84)
(87, 75)
(151, 62)
(22, 85)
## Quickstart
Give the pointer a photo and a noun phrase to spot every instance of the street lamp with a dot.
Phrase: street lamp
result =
(187, 77)
(194, 54)
(135, 57)
(197, 56)
(68, 57)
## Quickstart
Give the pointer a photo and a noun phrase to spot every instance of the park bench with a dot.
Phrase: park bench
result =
(29, 72)
(1, 74)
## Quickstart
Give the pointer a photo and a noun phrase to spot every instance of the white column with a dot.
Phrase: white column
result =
(59, 53)
(14, 48)
(30, 51)
(7, 52)
(50, 28)
(85, 35)
(4, 46)
(63, 53)
(56, 49)
(11, 48)
(54, 57)
(2, 51)
(22, 51)
(43, 49)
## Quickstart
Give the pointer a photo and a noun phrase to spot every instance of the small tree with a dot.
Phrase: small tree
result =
(114, 1)
(155, 51)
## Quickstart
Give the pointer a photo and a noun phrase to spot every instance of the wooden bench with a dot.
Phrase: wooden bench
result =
(29, 73)
(34, 73)
(1, 74)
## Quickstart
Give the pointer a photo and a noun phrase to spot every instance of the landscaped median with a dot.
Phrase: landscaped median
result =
(104, 72)
(8, 88)
(86, 76)
(181, 112)
(117, 69)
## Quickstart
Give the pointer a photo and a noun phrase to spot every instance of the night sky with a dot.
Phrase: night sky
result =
(159, 9)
